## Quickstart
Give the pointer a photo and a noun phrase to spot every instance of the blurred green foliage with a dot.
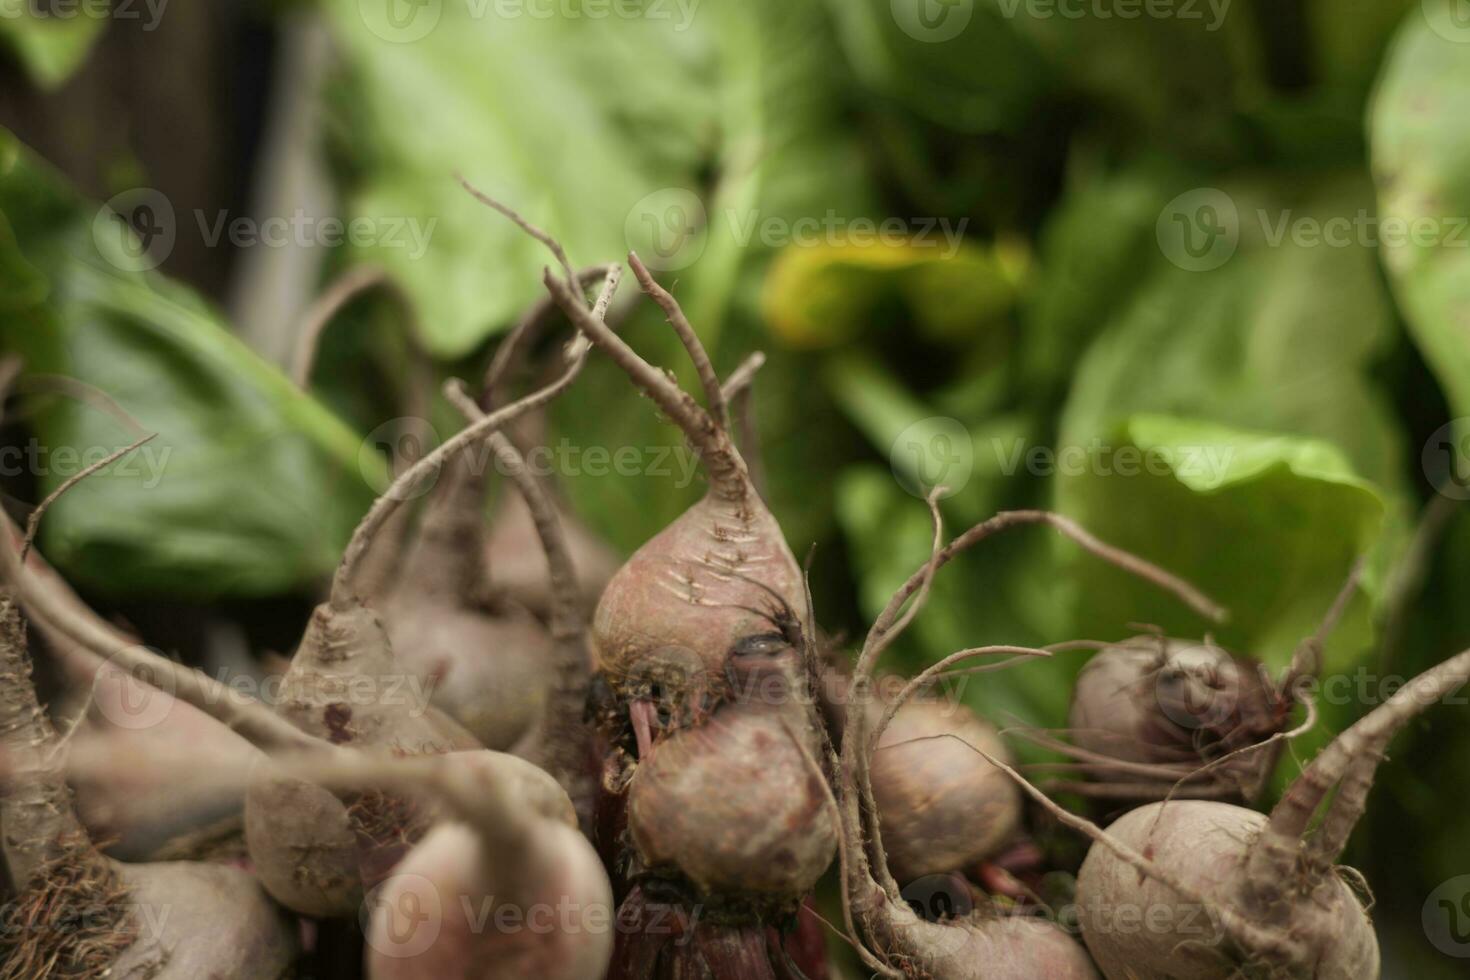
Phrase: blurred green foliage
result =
(1175, 246)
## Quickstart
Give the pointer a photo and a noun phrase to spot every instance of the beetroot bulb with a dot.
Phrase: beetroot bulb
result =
(485, 653)
(1155, 717)
(345, 686)
(683, 624)
(560, 741)
(984, 942)
(678, 637)
(74, 912)
(143, 808)
(942, 807)
(502, 884)
(482, 654)
(1274, 902)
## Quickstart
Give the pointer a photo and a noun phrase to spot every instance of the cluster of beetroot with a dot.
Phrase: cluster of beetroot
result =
(676, 776)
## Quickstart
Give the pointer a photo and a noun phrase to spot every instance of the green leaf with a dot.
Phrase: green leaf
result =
(1097, 247)
(250, 488)
(780, 156)
(1176, 78)
(571, 120)
(1266, 524)
(48, 48)
(960, 63)
(1280, 337)
(1421, 164)
(1267, 357)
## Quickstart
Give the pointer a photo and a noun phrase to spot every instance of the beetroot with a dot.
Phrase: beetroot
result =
(707, 604)
(942, 807)
(1155, 717)
(76, 913)
(1152, 712)
(303, 840)
(482, 652)
(486, 654)
(699, 636)
(501, 885)
(560, 741)
(983, 942)
(1272, 898)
